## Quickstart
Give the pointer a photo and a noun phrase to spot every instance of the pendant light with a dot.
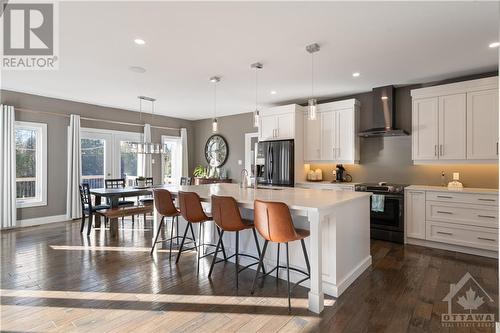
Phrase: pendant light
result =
(215, 124)
(311, 103)
(256, 113)
(146, 147)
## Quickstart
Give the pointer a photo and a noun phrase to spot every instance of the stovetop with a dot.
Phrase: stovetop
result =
(381, 187)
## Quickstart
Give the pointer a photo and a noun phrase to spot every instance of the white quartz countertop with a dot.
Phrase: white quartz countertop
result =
(326, 182)
(446, 189)
(295, 198)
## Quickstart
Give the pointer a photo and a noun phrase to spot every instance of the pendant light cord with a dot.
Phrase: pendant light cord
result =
(215, 100)
(256, 89)
(312, 75)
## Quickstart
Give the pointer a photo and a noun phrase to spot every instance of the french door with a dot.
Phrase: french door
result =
(105, 154)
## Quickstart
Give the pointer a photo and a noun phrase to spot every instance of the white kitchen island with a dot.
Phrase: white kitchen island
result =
(339, 222)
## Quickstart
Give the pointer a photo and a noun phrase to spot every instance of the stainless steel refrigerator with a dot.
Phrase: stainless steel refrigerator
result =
(275, 163)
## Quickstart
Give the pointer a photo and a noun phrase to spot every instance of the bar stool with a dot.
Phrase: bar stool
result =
(166, 208)
(226, 215)
(192, 212)
(274, 223)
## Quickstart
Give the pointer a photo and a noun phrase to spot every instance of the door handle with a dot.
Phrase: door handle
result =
(487, 216)
(444, 212)
(445, 233)
(487, 239)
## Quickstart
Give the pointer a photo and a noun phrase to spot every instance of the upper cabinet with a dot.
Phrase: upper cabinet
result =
(332, 137)
(456, 123)
(279, 123)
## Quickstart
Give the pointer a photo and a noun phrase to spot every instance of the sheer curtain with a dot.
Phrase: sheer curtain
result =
(7, 168)
(184, 153)
(73, 204)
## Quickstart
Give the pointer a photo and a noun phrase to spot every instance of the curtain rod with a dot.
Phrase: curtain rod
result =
(95, 119)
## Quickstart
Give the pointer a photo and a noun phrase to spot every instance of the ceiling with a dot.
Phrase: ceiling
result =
(186, 43)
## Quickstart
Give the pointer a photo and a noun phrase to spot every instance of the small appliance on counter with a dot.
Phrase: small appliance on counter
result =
(455, 184)
(386, 210)
(341, 175)
(315, 176)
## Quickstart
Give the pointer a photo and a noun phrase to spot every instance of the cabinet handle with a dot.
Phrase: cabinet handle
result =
(487, 239)
(338, 150)
(487, 216)
(445, 233)
(444, 197)
(482, 199)
(497, 148)
(435, 150)
(441, 150)
(444, 212)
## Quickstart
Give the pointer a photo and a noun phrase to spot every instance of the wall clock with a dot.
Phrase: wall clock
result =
(216, 150)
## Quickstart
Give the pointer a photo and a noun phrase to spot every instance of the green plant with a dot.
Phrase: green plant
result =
(141, 178)
(200, 172)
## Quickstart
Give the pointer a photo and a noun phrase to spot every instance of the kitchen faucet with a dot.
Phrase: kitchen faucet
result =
(243, 181)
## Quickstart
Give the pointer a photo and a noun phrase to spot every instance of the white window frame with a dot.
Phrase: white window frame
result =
(41, 165)
(177, 172)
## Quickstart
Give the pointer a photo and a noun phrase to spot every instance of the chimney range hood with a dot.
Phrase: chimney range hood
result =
(384, 116)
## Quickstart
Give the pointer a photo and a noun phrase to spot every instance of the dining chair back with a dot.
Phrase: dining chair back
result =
(114, 183)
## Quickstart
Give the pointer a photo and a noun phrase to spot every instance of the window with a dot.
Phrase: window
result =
(31, 164)
(171, 159)
(93, 161)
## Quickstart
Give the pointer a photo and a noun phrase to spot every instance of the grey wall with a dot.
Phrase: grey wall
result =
(233, 129)
(382, 159)
(57, 139)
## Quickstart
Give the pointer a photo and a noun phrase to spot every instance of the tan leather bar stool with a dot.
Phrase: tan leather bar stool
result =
(166, 208)
(226, 215)
(274, 222)
(192, 212)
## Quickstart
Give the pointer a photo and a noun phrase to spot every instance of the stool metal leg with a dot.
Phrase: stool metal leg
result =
(192, 233)
(258, 247)
(261, 262)
(237, 261)
(171, 240)
(177, 230)
(288, 278)
(199, 248)
(222, 244)
(182, 242)
(215, 254)
(157, 234)
(278, 262)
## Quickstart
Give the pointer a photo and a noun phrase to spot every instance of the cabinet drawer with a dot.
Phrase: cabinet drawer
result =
(483, 238)
(471, 198)
(476, 215)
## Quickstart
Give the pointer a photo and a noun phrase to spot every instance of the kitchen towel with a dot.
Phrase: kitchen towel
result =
(378, 203)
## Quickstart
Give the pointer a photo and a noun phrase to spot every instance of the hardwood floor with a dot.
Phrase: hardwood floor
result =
(54, 279)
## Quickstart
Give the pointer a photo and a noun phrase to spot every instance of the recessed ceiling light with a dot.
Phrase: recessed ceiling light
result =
(355, 74)
(139, 41)
(494, 44)
(273, 92)
(137, 69)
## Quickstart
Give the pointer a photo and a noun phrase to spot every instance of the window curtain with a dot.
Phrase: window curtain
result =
(73, 203)
(145, 159)
(184, 153)
(7, 168)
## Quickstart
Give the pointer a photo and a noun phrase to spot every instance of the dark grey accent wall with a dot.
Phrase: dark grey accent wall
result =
(233, 129)
(57, 139)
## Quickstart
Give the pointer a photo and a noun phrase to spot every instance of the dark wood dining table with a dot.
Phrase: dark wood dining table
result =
(114, 195)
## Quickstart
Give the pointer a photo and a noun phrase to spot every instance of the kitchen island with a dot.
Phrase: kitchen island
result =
(339, 222)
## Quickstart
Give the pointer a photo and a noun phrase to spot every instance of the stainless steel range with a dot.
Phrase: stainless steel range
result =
(386, 210)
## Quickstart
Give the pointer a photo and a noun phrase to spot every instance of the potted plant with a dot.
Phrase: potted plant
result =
(200, 172)
(141, 181)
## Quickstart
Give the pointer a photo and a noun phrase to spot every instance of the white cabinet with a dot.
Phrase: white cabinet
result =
(482, 125)
(456, 123)
(332, 137)
(415, 214)
(278, 123)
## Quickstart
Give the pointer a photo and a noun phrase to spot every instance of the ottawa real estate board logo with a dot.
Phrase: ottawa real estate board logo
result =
(469, 305)
(30, 35)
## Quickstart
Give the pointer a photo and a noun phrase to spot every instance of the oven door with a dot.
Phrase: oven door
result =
(389, 215)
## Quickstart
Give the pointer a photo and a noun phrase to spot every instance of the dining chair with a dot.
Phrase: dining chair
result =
(88, 209)
(119, 183)
(274, 223)
(146, 200)
(226, 215)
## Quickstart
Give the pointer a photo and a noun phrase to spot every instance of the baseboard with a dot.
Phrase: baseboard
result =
(41, 220)
(452, 247)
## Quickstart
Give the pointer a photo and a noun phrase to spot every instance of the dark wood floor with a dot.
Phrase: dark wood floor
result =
(55, 279)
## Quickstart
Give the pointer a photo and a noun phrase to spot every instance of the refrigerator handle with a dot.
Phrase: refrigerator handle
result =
(271, 162)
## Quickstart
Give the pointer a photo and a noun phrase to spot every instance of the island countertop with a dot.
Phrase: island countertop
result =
(295, 198)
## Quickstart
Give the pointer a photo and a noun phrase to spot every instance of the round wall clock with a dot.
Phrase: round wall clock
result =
(216, 150)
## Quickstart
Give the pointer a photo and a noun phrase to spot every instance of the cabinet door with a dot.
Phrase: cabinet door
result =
(415, 214)
(328, 135)
(285, 126)
(452, 127)
(312, 139)
(344, 127)
(267, 127)
(482, 125)
(425, 129)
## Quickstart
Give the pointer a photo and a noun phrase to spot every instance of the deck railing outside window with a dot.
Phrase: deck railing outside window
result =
(26, 187)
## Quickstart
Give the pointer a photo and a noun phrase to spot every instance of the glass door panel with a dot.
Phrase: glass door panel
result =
(96, 158)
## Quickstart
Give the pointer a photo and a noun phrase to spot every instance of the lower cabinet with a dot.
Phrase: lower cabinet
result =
(464, 222)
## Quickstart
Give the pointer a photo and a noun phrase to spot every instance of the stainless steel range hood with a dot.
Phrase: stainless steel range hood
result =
(384, 116)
